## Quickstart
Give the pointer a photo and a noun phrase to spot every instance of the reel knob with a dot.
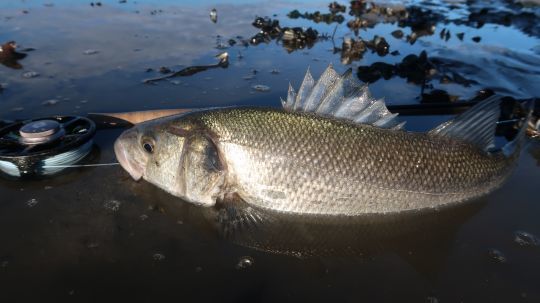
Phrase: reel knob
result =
(39, 132)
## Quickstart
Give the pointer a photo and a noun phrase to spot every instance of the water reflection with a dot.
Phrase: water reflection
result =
(421, 238)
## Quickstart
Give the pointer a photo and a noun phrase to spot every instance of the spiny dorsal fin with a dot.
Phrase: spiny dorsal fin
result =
(340, 96)
(475, 126)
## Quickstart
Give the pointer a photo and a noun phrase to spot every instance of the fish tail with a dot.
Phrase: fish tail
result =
(512, 148)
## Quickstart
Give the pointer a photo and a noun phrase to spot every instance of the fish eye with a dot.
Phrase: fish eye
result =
(148, 145)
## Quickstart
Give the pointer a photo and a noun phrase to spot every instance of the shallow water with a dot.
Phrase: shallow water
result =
(92, 234)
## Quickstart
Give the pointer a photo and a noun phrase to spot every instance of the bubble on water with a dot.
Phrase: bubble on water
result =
(30, 74)
(112, 205)
(432, 299)
(497, 255)
(50, 102)
(92, 245)
(90, 52)
(158, 257)
(245, 262)
(32, 202)
(526, 239)
(261, 88)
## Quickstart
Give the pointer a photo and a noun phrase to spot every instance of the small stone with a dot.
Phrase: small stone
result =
(30, 74)
(158, 257)
(476, 39)
(245, 262)
(32, 202)
(261, 88)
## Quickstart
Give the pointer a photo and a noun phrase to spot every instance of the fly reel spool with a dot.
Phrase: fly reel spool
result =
(44, 146)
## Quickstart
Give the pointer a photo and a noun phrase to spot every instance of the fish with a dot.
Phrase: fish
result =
(331, 150)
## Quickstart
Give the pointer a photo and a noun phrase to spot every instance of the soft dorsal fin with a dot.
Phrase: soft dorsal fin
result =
(340, 96)
(475, 126)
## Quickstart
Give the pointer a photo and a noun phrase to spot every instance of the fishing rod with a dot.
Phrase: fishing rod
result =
(46, 146)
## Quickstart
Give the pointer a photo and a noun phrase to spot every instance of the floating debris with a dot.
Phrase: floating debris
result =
(275, 72)
(191, 70)
(317, 17)
(336, 8)
(497, 255)
(213, 15)
(30, 74)
(112, 205)
(164, 70)
(32, 202)
(9, 56)
(526, 239)
(476, 39)
(245, 262)
(158, 257)
(261, 88)
(90, 52)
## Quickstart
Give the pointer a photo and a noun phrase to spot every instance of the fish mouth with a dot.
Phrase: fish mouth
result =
(134, 169)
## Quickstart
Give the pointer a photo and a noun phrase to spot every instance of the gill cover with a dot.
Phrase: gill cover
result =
(202, 172)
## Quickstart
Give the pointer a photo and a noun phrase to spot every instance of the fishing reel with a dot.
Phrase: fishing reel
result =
(44, 146)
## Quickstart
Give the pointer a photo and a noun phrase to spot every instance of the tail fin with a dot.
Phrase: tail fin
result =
(513, 147)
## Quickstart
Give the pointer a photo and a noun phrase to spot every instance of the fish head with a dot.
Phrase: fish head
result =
(174, 155)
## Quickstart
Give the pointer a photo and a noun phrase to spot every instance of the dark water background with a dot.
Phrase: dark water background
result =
(95, 235)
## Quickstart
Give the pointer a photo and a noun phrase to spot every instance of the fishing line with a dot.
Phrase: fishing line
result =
(84, 165)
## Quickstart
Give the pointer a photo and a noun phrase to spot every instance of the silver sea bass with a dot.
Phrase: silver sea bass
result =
(332, 150)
